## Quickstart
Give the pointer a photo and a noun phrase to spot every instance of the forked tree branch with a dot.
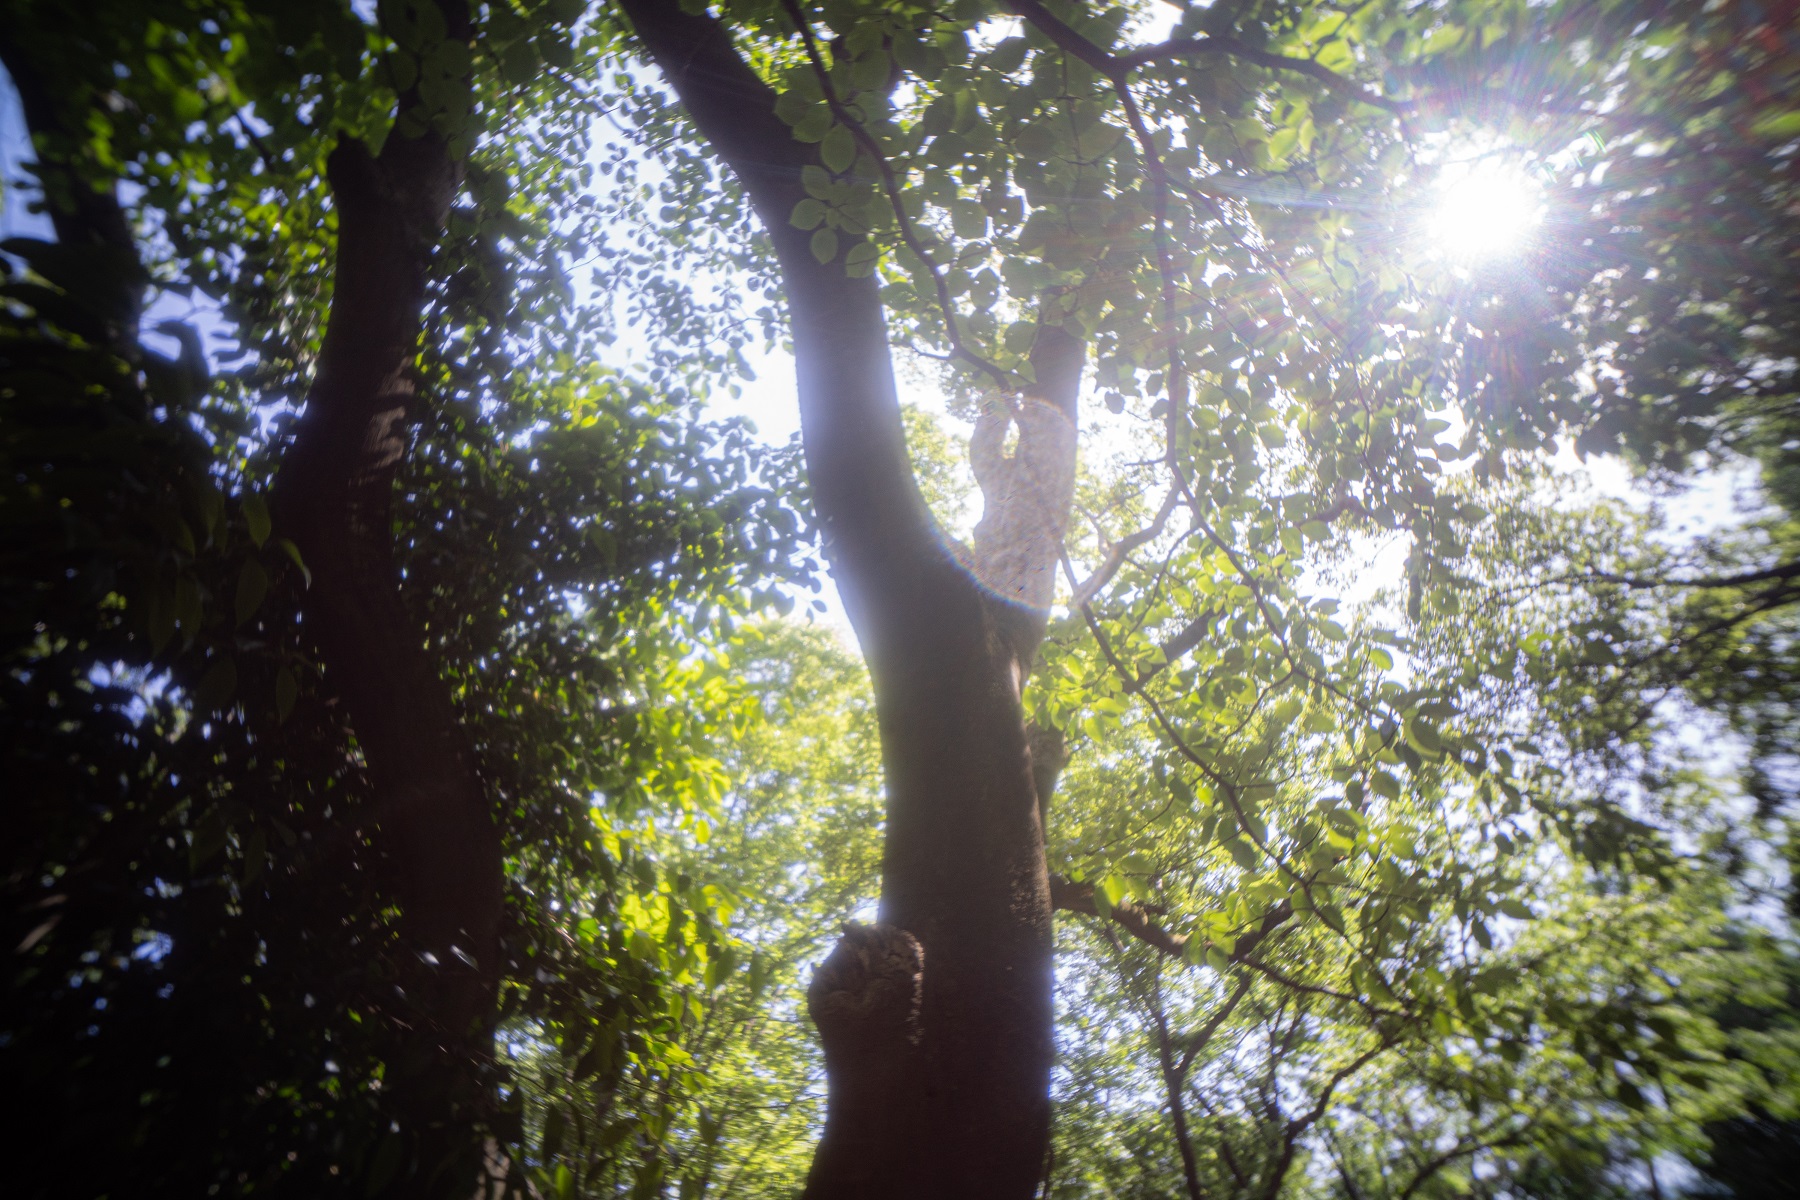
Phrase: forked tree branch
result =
(1117, 552)
(1139, 920)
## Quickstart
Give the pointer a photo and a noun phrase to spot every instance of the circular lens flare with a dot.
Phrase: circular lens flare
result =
(1483, 209)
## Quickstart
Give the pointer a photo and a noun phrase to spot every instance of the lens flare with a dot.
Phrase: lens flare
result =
(1483, 210)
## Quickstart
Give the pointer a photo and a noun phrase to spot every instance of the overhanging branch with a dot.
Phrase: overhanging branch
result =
(1117, 67)
(1139, 920)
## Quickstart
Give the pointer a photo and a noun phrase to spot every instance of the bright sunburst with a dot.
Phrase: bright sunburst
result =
(1483, 210)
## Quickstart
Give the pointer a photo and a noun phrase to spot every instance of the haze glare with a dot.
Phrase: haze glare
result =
(1483, 210)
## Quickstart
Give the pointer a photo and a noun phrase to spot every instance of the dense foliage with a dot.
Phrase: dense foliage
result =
(1424, 819)
(200, 952)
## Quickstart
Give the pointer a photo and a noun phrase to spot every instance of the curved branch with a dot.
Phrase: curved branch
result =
(1117, 551)
(890, 184)
(1182, 48)
(1779, 572)
(1139, 920)
(1117, 66)
(878, 532)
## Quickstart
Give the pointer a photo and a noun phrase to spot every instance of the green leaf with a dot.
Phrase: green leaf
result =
(838, 150)
(519, 64)
(968, 219)
(1281, 144)
(256, 855)
(386, 1164)
(217, 686)
(556, 49)
(869, 72)
(287, 690)
(1112, 888)
(449, 59)
(815, 125)
(1778, 126)
(862, 259)
(252, 586)
(159, 615)
(556, 1125)
(293, 552)
(256, 517)
(1423, 736)
(1243, 853)
(404, 69)
(808, 214)
(824, 245)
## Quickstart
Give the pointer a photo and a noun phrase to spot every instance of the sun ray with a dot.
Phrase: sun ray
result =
(1483, 209)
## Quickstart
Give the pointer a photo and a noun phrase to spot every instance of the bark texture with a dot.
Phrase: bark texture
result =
(334, 499)
(955, 1101)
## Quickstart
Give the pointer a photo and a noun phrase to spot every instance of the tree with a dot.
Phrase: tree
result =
(241, 884)
(936, 1022)
(887, 166)
(1218, 219)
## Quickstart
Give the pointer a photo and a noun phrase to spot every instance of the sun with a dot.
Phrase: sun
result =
(1482, 210)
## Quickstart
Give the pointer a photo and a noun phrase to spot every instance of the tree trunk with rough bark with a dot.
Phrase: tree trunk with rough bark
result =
(936, 1022)
(334, 499)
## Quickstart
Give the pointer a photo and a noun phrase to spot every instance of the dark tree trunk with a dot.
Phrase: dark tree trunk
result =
(435, 826)
(936, 1023)
(334, 499)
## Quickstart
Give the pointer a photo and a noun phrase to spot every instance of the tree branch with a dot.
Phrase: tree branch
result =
(1181, 48)
(1117, 67)
(877, 530)
(1139, 920)
(1116, 553)
(334, 498)
(1781, 571)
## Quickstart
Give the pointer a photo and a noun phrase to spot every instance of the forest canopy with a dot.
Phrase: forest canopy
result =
(1267, 671)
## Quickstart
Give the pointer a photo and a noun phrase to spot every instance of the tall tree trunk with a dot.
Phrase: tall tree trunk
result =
(334, 499)
(936, 1023)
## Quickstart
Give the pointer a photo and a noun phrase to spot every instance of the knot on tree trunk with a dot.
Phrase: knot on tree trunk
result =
(865, 995)
(865, 1000)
